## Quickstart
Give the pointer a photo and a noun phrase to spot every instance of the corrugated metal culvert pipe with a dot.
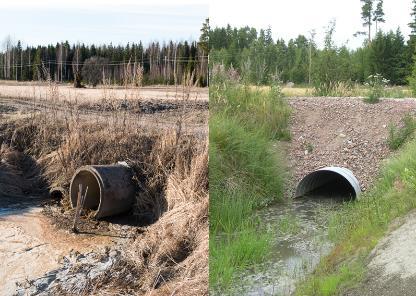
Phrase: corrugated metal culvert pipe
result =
(110, 188)
(335, 182)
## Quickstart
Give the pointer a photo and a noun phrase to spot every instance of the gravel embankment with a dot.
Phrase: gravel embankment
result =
(342, 132)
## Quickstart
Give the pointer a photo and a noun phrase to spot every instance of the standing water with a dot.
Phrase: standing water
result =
(300, 240)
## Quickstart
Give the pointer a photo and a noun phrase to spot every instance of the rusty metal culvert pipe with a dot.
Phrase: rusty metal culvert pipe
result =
(110, 189)
(330, 181)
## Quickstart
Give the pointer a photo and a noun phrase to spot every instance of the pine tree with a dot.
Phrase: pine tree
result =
(367, 15)
(204, 38)
(379, 14)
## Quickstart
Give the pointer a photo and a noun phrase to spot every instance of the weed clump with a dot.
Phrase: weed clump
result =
(376, 84)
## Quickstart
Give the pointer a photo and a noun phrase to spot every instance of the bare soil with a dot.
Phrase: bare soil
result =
(343, 132)
(157, 114)
(39, 90)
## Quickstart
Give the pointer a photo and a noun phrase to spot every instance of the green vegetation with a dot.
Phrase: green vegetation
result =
(260, 60)
(399, 134)
(245, 173)
(358, 226)
(332, 70)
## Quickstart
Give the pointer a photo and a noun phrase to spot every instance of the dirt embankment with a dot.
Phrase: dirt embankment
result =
(392, 263)
(343, 132)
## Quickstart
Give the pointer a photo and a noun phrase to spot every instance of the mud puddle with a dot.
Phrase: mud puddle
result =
(301, 239)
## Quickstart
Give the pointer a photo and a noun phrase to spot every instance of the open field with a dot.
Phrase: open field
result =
(41, 90)
(159, 247)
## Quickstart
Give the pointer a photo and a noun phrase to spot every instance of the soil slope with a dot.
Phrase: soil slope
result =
(392, 264)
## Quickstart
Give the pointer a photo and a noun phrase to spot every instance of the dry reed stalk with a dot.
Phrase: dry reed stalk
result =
(80, 205)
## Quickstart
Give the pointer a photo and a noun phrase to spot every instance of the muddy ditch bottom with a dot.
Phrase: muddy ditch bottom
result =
(32, 245)
(300, 230)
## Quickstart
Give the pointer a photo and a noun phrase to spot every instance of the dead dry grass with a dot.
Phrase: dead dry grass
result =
(171, 167)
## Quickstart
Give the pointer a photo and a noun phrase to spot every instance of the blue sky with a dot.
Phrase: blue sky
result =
(98, 22)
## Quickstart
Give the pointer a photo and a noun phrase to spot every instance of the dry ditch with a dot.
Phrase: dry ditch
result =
(163, 243)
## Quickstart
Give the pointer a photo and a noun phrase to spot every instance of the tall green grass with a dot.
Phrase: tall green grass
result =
(245, 173)
(358, 227)
(259, 109)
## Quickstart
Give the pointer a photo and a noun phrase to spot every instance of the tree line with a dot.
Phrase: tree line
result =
(167, 63)
(261, 60)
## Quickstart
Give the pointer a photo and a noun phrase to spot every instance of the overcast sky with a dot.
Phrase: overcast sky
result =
(101, 21)
(289, 18)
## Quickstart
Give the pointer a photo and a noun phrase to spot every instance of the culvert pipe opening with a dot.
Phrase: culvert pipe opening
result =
(111, 190)
(57, 193)
(330, 182)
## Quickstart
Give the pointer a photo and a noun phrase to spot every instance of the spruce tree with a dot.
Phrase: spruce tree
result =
(204, 38)
(412, 25)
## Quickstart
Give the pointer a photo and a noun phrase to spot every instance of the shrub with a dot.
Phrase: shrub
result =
(94, 69)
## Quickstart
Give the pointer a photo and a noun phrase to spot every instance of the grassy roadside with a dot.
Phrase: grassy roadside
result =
(358, 227)
(244, 173)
